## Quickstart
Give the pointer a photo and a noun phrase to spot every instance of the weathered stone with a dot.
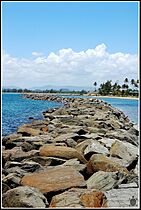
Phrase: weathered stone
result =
(27, 130)
(99, 162)
(134, 130)
(17, 170)
(64, 137)
(124, 150)
(31, 166)
(10, 164)
(92, 136)
(123, 135)
(96, 147)
(107, 142)
(5, 187)
(17, 154)
(130, 185)
(10, 138)
(47, 161)
(41, 138)
(26, 146)
(80, 147)
(5, 156)
(51, 128)
(12, 179)
(54, 179)
(93, 199)
(24, 197)
(75, 164)
(71, 143)
(62, 152)
(104, 181)
(122, 198)
(45, 129)
(78, 198)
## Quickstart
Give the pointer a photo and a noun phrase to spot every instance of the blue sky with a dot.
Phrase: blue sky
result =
(46, 27)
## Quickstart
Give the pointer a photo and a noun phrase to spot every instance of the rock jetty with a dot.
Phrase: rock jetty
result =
(81, 155)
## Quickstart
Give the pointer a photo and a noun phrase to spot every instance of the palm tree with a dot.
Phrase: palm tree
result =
(125, 86)
(126, 80)
(132, 81)
(95, 84)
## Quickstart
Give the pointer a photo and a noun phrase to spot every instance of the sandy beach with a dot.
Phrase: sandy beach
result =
(129, 97)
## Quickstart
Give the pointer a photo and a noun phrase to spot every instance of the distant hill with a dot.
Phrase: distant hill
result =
(66, 88)
(10, 87)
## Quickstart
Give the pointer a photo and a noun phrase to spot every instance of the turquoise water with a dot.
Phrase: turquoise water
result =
(17, 110)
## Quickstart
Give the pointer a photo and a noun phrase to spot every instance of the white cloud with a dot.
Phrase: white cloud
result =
(69, 68)
(36, 53)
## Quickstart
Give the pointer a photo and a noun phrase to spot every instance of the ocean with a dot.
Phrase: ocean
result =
(17, 110)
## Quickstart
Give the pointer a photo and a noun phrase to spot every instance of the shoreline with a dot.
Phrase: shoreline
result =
(70, 94)
(118, 97)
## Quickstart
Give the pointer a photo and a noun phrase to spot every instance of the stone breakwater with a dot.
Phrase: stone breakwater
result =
(82, 155)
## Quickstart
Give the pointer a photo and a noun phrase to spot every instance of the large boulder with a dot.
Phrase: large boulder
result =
(24, 196)
(17, 154)
(124, 150)
(104, 181)
(61, 151)
(78, 198)
(27, 130)
(99, 162)
(96, 147)
(54, 179)
(127, 196)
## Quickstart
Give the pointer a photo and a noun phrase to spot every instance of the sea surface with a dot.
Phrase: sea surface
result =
(17, 110)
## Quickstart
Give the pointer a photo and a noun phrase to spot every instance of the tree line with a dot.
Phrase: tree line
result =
(14, 90)
(128, 88)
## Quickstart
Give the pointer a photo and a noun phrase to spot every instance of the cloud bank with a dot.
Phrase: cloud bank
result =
(69, 68)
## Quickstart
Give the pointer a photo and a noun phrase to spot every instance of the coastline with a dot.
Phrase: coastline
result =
(70, 94)
(73, 146)
(118, 97)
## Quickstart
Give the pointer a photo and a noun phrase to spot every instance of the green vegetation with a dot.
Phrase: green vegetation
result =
(115, 89)
(61, 91)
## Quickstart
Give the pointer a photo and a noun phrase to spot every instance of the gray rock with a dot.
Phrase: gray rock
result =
(24, 197)
(71, 143)
(129, 185)
(12, 180)
(51, 128)
(123, 136)
(31, 166)
(64, 137)
(124, 150)
(75, 163)
(122, 198)
(104, 181)
(107, 142)
(47, 161)
(16, 169)
(96, 147)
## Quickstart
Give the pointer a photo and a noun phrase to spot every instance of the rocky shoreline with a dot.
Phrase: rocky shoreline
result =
(84, 154)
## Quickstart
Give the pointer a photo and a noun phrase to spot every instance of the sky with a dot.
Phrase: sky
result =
(68, 43)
